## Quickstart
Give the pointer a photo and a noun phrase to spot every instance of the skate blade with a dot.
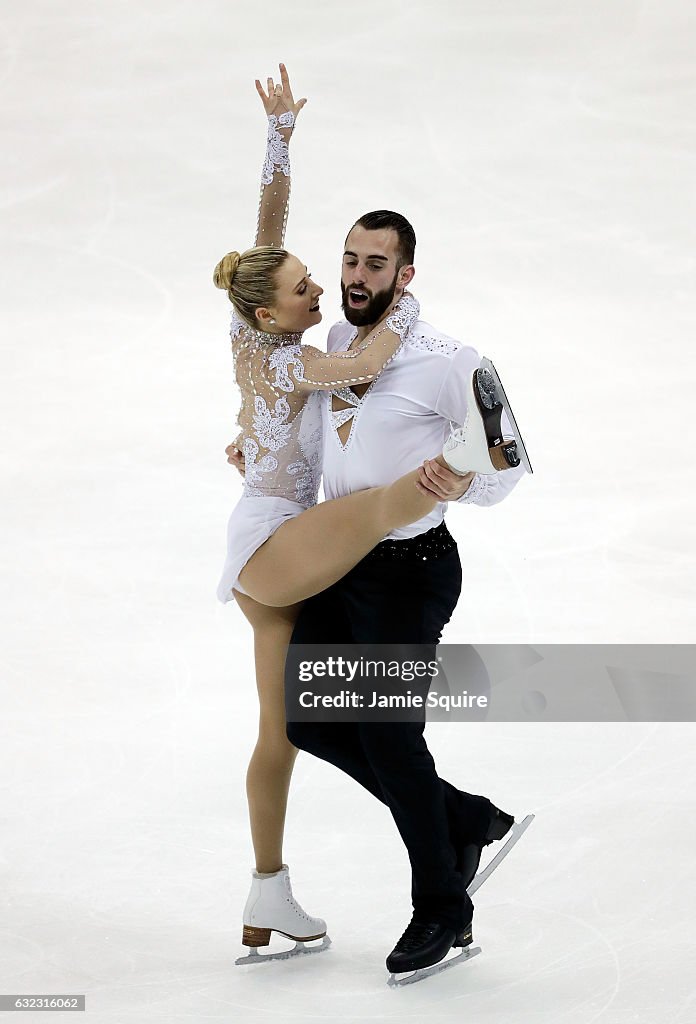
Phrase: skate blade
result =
(398, 981)
(486, 364)
(299, 949)
(514, 835)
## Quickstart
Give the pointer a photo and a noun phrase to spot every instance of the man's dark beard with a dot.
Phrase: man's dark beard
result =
(376, 306)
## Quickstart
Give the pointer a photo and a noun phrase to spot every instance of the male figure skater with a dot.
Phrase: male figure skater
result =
(406, 589)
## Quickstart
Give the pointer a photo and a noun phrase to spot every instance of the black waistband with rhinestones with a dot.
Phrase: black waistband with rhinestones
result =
(433, 544)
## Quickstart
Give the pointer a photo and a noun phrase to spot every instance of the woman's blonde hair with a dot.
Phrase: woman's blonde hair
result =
(249, 279)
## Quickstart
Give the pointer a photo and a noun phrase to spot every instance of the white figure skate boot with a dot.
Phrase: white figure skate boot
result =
(271, 907)
(479, 446)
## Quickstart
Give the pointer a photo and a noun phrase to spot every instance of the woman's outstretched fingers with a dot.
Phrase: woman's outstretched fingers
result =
(268, 100)
(285, 80)
(296, 106)
(279, 98)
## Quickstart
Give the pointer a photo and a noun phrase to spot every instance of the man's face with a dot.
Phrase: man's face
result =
(369, 275)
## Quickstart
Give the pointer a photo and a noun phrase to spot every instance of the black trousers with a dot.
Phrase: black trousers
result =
(400, 600)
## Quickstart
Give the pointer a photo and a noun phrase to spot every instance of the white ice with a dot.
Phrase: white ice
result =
(545, 153)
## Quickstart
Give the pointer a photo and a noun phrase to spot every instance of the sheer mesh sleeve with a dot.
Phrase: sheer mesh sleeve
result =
(314, 370)
(274, 198)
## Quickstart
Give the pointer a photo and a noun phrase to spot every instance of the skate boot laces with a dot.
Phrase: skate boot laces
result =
(457, 433)
(293, 902)
(415, 935)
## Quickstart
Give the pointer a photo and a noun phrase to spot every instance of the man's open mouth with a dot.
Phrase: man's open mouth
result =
(357, 297)
(314, 309)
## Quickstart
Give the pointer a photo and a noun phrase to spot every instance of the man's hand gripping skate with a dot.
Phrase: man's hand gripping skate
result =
(439, 482)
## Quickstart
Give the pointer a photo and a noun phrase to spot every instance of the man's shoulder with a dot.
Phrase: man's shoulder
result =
(428, 340)
(422, 338)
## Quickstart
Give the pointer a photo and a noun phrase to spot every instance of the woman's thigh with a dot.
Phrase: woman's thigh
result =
(313, 550)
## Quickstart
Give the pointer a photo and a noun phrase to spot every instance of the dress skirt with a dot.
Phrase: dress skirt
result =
(253, 521)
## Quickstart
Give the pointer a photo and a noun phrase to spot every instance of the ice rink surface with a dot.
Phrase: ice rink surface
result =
(545, 153)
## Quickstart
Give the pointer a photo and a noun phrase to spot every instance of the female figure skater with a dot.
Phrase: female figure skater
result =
(281, 546)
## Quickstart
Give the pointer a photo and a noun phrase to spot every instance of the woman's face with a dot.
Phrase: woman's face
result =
(296, 305)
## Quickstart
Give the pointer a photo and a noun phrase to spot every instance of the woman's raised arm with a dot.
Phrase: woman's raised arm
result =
(281, 110)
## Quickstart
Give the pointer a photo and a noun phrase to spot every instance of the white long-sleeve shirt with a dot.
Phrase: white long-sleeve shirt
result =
(403, 418)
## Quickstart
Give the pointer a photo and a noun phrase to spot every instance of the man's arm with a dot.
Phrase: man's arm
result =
(443, 484)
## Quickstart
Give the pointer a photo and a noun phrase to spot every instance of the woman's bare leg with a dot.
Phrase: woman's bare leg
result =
(271, 764)
(309, 553)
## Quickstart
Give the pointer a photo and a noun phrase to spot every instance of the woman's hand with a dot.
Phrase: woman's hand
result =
(279, 98)
(235, 457)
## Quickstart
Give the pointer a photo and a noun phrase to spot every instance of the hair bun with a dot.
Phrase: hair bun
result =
(225, 270)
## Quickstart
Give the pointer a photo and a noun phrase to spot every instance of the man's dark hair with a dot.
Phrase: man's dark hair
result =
(388, 219)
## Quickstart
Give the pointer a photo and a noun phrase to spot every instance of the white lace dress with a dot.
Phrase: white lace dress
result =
(281, 382)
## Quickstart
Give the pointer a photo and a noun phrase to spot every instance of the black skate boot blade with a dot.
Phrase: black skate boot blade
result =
(399, 980)
(499, 826)
(514, 836)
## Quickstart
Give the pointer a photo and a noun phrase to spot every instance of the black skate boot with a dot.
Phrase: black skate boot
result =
(486, 824)
(469, 854)
(425, 943)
